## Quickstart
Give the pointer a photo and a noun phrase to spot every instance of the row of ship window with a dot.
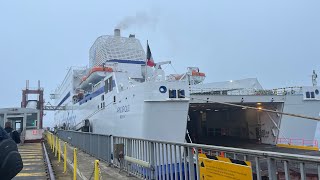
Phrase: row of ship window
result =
(180, 93)
(311, 95)
(102, 105)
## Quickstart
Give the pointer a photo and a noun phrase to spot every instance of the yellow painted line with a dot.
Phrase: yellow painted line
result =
(32, 160)
(28, 155)
(32, 163)
(38, 153)
(32, 157)
(29, 168)
(31, 174)
(298, 147)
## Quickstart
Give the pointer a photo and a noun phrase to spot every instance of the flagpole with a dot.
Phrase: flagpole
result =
(145, 66)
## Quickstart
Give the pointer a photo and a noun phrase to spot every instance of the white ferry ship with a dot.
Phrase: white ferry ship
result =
(121, 93)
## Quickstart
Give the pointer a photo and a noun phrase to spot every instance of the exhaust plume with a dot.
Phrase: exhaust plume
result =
(140, 19)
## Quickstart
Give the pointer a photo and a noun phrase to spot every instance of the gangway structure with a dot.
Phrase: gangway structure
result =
(34, 103)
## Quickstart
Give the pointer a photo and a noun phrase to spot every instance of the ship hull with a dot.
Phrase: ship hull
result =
(140, 112)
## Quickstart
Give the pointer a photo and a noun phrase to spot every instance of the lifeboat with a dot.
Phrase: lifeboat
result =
(196, 73)
(95, 75)
(196, 76)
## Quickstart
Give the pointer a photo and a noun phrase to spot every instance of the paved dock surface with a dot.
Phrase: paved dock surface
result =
(34, 167)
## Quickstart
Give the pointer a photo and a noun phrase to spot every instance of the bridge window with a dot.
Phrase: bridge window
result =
(312, 95)
(172, 93)
(308, 94)
(181, 93)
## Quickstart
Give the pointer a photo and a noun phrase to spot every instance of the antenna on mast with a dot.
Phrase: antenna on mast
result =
(314, 78)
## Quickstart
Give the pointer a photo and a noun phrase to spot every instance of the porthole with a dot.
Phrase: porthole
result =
(316, 91)
(163, 89)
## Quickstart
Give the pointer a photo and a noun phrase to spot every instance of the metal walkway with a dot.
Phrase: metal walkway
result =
(34, 166)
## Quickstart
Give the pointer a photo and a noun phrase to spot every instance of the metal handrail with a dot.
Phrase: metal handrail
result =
(285, 156)
(248, 91)
(163, 156)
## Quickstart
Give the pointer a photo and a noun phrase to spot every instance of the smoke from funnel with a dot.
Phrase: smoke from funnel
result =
(140, 19)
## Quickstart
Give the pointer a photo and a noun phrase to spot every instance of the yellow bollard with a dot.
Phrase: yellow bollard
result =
(65, 158)
(59, 151)
(75, 164)
(96, 170)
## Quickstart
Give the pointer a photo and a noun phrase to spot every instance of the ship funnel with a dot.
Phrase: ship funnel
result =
(117, 32)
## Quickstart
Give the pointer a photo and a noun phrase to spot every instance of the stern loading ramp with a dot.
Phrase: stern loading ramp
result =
(212, 121)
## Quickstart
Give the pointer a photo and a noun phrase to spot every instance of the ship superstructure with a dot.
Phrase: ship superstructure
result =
(119, 94)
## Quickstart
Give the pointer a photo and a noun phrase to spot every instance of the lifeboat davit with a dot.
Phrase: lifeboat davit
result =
(95, 75)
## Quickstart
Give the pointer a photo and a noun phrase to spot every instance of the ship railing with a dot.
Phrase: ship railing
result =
(298, 142)
(154, 159)
(247, 91)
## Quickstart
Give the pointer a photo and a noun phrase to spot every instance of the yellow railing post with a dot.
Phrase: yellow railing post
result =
(59, 151)
(96, 170)
(57, 146)
(75, 164)
(53, 140)
(65, 158)
(50, 141)
(51, 135)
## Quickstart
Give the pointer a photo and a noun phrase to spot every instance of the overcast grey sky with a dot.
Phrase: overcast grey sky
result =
(276, 41)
